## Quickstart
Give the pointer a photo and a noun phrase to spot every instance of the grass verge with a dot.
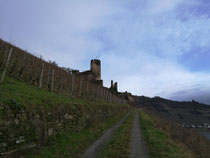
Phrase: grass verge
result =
(119, 144)
(159, 143)
(71, 144)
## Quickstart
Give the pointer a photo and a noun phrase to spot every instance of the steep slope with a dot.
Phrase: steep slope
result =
(31, 117)
(183, 112)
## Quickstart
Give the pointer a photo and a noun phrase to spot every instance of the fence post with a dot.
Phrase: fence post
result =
(5, 57)
(104, 94)
(41, 76)
(87, 88)
(95, 91)
(80, 87)
(72, 85)
(113, 98)
(48, 75)
(101, 92)
(98, 92)
(107, 97)
(6, 65)
(52, 83)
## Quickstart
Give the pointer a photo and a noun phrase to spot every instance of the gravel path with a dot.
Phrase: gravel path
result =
(99, 144)
(138, 148)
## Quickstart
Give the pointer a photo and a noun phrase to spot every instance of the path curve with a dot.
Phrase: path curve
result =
(99, 144)
(137, 146)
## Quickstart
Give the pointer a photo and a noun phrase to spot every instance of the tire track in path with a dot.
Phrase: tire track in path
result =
(99, 144)
(138, 148)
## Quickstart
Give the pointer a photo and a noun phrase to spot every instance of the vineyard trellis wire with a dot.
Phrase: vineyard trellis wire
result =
(35, 71)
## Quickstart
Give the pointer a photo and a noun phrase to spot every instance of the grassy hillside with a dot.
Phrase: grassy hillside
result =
(47, 75)
(167, 140)
(32, 117)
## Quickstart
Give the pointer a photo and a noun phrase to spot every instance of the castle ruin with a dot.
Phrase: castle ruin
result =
(94, 74)
(114, 87)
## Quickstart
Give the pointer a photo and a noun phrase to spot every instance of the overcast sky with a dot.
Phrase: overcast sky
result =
(150, 47)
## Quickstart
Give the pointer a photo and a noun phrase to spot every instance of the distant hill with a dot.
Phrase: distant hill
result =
(185, 112)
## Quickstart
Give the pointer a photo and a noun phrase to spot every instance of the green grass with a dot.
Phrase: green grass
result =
(72, 144)
(159, 143)
(25, 95)
(28, 95)
(119, 144)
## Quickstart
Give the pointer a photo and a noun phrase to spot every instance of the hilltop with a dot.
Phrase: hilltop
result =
(183, 112)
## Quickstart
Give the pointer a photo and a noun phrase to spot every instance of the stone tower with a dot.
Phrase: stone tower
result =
(96, 68)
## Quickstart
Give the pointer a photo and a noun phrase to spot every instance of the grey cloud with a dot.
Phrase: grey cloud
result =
(138, 49)
(197, 94)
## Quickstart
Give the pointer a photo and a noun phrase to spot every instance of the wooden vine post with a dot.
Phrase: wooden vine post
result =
(52, 81)
(6, 65)
(87, 88)
(72, 84)
(41, 76)
(80, 88)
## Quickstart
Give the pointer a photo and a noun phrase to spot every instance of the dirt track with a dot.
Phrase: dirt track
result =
(99, 144)
(137, 146)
